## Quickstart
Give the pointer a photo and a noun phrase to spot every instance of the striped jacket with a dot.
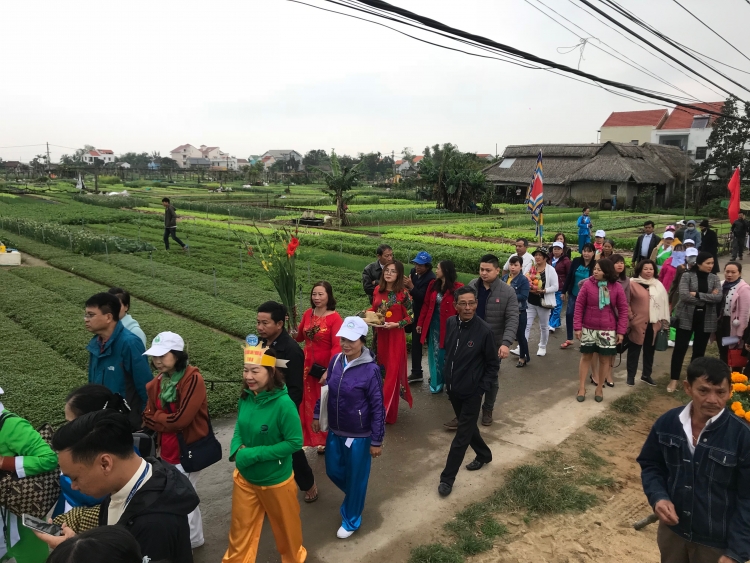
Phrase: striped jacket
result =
(687, 304)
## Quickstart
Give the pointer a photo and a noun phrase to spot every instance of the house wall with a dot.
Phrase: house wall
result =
(641, 133)
(591, 193)
(695, 138)
(181, 156)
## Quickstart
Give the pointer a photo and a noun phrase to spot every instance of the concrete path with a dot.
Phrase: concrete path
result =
(536, 409)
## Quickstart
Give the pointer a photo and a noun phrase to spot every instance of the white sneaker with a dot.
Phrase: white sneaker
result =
(690, 343)
(542, 351)
(343, 533)
(516, 351)
(670, 343)
(551, 329)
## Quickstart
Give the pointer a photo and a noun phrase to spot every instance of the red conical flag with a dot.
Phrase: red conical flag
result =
(734, 195)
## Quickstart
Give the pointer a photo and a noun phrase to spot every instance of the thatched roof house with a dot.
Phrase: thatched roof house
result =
(594, 173)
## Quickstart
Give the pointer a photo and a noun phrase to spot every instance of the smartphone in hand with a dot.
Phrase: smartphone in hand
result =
(40, 525)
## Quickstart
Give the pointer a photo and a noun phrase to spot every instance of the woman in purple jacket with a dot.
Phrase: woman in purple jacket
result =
(356, 421)
(600, 322)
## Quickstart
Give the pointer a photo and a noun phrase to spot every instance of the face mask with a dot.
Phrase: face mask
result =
(691, 260)
(678, 258)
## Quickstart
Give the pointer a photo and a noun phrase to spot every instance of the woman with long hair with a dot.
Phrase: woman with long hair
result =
(436, 310)
(581, 269)
(561, 264)
(560, 237)
(177, 408)
(600, 323)
(317, 329)
(542, 281)
(734, 311)
(649, 313)
(393, 301)
(266, 434)
(607, 250)
(618, 261)
(700, 292)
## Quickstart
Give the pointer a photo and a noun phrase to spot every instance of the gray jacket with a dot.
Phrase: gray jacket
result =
(370, 274)
(501, 312)
(687, 304)
(170, 217)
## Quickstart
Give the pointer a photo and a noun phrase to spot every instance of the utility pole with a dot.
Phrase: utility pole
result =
(393, 159)
(47, 158)
(684, 203)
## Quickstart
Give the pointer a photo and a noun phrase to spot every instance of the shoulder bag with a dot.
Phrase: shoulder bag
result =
(202, 453)
(661, 343)
(323, 413)
(34, 495)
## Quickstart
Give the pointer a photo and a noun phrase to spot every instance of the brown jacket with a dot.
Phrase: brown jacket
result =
(639, 314)
(191, 410)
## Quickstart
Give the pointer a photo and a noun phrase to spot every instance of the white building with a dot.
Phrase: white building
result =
(688, 129)
(214, 157)
(105, 155)
(184, 152)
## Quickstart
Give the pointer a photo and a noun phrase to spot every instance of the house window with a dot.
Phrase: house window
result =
(613, 189)
(700, 122)
(700, 153)
(634, 142)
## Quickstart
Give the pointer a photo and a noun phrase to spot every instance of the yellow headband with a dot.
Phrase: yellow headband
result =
(255, 354)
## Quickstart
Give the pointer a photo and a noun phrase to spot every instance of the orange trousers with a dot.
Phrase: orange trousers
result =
(250, 504)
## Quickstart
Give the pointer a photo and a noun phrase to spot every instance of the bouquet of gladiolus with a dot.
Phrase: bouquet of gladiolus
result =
(740, 396)
(277, 253)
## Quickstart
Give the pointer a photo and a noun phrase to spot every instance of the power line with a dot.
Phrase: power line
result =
(23, 146)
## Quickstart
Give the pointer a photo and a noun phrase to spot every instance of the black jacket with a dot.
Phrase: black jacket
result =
(288, 349)
(471, 362)
(710, 242)
(710, 490)
(170, 217)
(570, 278)
(157, 514)
(370, 274)
(419, 291)
(637, 256)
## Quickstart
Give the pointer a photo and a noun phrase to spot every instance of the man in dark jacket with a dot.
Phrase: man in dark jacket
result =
(371, 273)
(739, 234)
(148, 497)
(497, 305)
(695, 469)
(170, 224)
(709, 243)
(471, 366)
(646, 243)
(270, 327)
(419, 278)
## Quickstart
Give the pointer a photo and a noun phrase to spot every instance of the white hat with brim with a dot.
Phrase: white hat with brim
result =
(668, 234)
(692, 251)
(165, 342)
(688, 241)
(600, 233)
(353, 328)
(558, 244)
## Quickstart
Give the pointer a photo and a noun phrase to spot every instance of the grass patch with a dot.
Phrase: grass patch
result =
(591, 460)
(475, 528)
(435, 553)
(603, 424)
(631, 403)
(597, 480)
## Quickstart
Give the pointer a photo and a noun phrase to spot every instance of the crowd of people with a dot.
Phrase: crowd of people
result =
(134, 444)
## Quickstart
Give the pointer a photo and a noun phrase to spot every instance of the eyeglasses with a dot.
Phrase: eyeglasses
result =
(89, 316)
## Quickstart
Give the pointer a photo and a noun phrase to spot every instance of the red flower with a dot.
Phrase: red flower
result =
(292, 248)
(249, 250)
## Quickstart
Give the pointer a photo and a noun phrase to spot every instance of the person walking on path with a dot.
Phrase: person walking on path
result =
(317, 330)
(356, 420)
(649, 313)
(520, 285)
(416, 283)
(695, 314)
(170, 224)
(266, 436)
(270, 327)
(561, 264)
(600, 322)
(646, 243)
(471, 366)
(438, 308)
(581, 269)
(734, 312)
(394, 302)
(710, 243)
(522, 246)
(543, 286)
(584, 228)
(739, 234)
(693, 234)
(497, 305)
(177, 406)
(128, 322)
(372, 273)
(116, 357)
(703, 514)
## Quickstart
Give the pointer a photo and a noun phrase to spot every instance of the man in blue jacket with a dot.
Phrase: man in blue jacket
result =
(695, 469)
(116, 357)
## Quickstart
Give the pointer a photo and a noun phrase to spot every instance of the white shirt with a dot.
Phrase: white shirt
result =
(686, 418)
(527, 259)
(117, 500)
(645, 244)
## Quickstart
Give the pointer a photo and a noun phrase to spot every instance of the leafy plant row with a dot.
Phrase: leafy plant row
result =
(115, 202)
(67, 212)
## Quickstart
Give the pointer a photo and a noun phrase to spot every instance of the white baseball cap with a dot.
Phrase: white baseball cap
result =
(600, 233)
(668, 234)
(165, 342)
(558, 244)
(353, 328)
(688, 241)
(692, 251)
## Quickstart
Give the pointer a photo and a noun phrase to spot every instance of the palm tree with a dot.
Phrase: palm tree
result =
(339, 182)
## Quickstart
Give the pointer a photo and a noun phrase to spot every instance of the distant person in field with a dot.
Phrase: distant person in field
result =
(170, 224)
(116, 357)
(584, 228)
(371, 273)
(128, 322)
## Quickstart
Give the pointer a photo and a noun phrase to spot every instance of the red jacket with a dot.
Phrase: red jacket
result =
(447, 310)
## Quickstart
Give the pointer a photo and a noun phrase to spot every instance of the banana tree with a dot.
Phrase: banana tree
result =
(339, 182)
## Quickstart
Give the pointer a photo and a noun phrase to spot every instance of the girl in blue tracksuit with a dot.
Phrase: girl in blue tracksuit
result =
(356, 421)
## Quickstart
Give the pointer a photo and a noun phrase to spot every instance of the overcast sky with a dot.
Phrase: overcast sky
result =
(249, 76)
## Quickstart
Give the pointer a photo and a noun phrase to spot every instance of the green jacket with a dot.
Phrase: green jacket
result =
(19, 440)
(268, 426)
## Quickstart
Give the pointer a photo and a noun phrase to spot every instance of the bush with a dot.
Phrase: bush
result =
(109, 180)
(115, 201)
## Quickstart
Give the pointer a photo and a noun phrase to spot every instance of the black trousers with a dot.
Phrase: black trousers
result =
(416, 352)
(467, 434)
(303, 474)
(634, 354)
(171, 232)
(682, 343)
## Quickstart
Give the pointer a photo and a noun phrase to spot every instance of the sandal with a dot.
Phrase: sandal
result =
(321, 450)
(309, 499)
(671, 389)
(567, 344)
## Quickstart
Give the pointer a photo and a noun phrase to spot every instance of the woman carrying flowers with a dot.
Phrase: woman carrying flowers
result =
(394, 303)
(317, 329)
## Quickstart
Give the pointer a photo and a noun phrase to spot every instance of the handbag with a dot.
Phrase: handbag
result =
(200, 454)
(623, 346)
(549, 301)
(317, 371)
(735, 359)
(661, 343)
(323, 417)
(34, 495)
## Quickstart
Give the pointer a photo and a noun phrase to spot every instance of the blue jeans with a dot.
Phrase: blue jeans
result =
(583, 239)
(569, 315)
(349, 469)
(554, 319)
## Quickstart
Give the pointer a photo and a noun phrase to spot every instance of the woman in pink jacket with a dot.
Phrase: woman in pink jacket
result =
(734, 310)
(600, 322)
(668, 270)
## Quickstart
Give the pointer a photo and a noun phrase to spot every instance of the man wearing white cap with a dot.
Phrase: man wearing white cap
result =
(664, 250)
